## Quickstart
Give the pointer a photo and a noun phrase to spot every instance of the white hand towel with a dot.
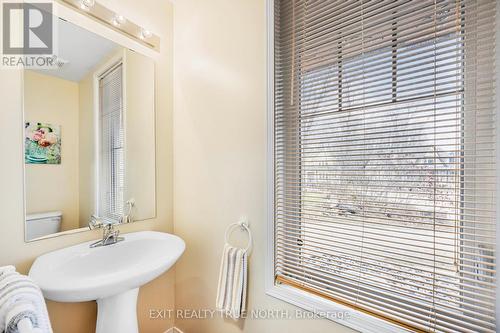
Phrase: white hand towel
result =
(231, 291)
(21, 299)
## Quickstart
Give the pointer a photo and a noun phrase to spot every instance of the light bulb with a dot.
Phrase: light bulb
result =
(145, 34)
(87, 4)
(118, 20)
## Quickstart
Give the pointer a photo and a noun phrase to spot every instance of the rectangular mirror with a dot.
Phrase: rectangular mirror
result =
(89, 135)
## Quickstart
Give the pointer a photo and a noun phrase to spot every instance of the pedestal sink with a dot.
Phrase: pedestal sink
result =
(111, 275)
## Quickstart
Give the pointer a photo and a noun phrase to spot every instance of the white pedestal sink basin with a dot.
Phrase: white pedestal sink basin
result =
(111, 275)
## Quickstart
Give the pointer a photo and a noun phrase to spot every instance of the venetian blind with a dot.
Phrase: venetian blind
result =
(112, 152)
(385, 158)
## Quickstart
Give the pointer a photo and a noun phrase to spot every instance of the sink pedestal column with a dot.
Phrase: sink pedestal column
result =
(118, 313)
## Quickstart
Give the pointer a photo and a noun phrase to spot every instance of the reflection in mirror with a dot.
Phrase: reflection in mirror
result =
(89, 136)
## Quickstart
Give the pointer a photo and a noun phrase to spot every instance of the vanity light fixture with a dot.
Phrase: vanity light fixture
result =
(99, 12)
(87, 4)
(145, 34)
(118, 20)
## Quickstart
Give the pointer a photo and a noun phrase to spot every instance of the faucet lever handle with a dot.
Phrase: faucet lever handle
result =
(95, 222)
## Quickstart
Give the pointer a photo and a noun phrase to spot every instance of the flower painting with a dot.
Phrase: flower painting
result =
(42, 143)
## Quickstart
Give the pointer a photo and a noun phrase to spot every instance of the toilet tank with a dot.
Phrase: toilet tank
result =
(42, 224)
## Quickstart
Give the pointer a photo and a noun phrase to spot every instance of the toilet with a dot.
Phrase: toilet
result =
(42, 224)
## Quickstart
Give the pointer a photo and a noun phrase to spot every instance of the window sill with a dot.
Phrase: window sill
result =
(353, 319)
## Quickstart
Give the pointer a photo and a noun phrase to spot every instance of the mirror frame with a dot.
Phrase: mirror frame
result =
(73, 16)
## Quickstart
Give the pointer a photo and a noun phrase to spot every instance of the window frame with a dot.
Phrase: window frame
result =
(116, 60)
(354, 319)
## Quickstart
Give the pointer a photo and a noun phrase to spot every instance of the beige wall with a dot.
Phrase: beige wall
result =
(80, 317)
(86, 150)
(220, 155)
(140, 133)
(54, 187)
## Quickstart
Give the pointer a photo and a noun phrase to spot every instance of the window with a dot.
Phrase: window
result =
(385, 159)
(111, 179)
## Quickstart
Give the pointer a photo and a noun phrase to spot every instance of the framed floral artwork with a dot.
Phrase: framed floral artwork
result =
(42, 143)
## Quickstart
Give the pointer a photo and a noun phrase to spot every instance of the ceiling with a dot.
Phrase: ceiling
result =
(81, 49)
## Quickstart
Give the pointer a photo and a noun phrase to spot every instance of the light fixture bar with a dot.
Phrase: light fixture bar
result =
(115, 21)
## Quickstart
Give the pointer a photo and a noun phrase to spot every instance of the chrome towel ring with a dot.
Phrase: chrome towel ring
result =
(243, 225)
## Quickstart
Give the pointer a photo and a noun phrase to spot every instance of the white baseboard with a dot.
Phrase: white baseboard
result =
(173, 330)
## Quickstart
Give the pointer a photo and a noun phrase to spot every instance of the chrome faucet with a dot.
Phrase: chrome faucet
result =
(109, 234)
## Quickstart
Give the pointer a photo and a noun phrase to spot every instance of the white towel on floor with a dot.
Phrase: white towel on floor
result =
(232, 287)
(21, 300)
